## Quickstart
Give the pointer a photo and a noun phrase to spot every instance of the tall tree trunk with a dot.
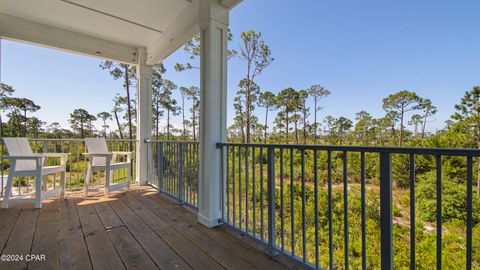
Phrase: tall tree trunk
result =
(25, 123)
(304, 124)
(401, 127)
(129, 106)
(247, 113)
(266, 121)
(286, 128)
(168, 124)
(157, 127)
(118, 124)
(478, 168)
(194, 125)
(81, 130)
(1, 127)
(315, 122)
(296, 128)
(424, 124)
(105, 129)
(183, 117)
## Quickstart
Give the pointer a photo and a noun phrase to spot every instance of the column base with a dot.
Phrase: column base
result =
(210, 223)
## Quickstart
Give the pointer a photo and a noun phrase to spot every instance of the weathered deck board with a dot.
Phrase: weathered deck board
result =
(138, 229)
(8, 219)
(195, 257)
(158, 250)
(261, 260)
(224, 256)
(132, 254)
(20, 240)
(46, 242)
(108, 217)
(71, 243)
(102, 252)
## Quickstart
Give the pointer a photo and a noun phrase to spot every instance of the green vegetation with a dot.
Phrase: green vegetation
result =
(295, 114)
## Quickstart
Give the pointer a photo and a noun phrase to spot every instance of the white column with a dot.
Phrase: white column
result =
(213, 99)
(144, 114)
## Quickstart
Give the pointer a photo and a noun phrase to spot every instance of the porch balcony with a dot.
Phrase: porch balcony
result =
(206, 204)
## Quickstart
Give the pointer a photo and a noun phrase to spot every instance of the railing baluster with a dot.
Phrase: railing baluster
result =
(282, 214)
(345, 208)
(3, 165)
(292, 205)
(271, 200)
(180, 173)
(469, 212)
(330, 211)
(315, 190)
(254, 229)
(233, 185)
(386, 223)
(240, 215)
(160, 166)
(226, 188)
(247, 152)
(262, 231)
(364, 215)
(438, 159)
(412, 214)
(304, 219)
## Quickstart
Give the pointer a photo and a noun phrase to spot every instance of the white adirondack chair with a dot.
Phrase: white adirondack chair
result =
(23, 162)
(100, 159)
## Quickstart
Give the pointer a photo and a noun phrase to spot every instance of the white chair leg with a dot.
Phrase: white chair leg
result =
(8, 189)
(45, 182)
(62, 183)
(87, 180)
(38, 190)
(128, 177)
(107, 182)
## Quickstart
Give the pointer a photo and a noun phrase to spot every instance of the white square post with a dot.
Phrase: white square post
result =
(144, 114)
(213, 22)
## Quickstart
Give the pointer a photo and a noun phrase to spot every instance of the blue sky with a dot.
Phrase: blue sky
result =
(361, 50)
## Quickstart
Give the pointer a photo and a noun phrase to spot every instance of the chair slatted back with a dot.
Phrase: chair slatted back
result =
(97, 145)
(20, 147)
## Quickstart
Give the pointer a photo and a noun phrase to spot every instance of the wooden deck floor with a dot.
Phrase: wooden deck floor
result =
(138, 229)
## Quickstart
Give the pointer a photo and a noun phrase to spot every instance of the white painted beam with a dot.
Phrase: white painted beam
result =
(230, 4)
(144, 114)
(213, 113)
(175, 35)
(41, 34)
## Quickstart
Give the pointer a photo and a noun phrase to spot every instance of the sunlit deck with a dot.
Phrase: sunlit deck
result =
(138, 229)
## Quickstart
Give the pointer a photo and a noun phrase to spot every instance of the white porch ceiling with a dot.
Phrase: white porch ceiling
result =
(111, 29)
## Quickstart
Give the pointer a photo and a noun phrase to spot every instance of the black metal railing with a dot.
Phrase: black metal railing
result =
(302, 200)
(173, 168)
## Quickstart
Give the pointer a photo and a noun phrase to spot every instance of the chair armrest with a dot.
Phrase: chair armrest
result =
(32, 157)
(128, 154)
(38, 158)
(122, 152)
(97, 154)
(63, 157)
(107, 156)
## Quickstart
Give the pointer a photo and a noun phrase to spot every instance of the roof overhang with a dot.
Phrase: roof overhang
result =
(111, 29)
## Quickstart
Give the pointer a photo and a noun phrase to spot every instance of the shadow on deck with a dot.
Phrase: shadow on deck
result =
(136, 229)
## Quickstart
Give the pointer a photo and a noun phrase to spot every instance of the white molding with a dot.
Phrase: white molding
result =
(208, 222)
(45, 35)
